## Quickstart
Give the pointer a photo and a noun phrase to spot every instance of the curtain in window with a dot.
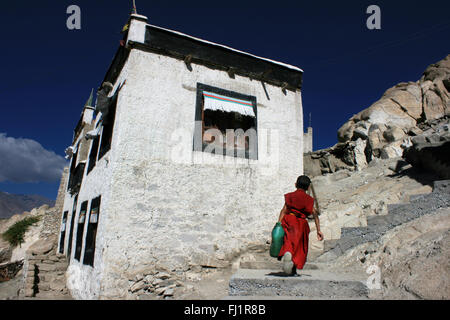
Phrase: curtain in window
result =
(215, 101)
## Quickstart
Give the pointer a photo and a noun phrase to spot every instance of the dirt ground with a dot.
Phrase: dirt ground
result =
(213, 286)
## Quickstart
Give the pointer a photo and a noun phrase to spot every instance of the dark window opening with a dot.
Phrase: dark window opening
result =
(76, 178)
(72, 167)
(226, 123)
(80, 229)
(63, 232)
(93, 153)
(238, 143)
(89, 248)
(108, 126)
(72, 222)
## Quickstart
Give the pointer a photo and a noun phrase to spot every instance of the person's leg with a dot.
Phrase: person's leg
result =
(288, 264)
(300, 251)
(291, 235)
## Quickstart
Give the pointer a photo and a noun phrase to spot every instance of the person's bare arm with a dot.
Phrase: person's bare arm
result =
(282, 213)
(317, 222)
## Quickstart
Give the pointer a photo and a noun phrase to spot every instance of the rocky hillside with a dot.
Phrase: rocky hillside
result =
(33, 269)
(390, 218)
(384, 204)
(389, 126)
(11, 204)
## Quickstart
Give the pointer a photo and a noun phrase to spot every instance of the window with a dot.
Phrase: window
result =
(72, 222)
(80, 229)
(72, 167)
(93, 153)
(63, 232)
(108, 126)
(226, 123)
(76, 172)
(89, 248)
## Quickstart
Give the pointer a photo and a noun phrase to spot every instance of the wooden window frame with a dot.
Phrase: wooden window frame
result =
(198, 144)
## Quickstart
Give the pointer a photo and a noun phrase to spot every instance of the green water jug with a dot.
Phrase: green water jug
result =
(277, 240)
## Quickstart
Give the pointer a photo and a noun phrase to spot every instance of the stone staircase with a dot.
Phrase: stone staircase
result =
(45, 272)
(418, 206)
(260, 277)
(311, 284)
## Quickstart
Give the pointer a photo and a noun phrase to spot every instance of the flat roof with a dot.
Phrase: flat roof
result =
(228, 48)
(194, 50)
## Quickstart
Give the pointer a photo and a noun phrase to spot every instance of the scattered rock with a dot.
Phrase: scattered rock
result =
(162, 275)
(160, 291)
(42, 246)
(168, 292)
(137, 286)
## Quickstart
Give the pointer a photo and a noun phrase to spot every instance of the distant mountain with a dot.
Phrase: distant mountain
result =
(11, 204)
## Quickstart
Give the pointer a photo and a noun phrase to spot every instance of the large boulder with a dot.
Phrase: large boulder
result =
(429, 150)
(386, 128)
(399, 111)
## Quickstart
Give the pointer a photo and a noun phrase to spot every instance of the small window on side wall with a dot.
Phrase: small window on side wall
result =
(72, 222)
(108, 127)
(62, 236)
(80, 230)
(89, 247)
(225, 123)
(93, 154)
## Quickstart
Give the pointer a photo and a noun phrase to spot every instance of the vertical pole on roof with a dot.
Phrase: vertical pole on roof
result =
(134, 7)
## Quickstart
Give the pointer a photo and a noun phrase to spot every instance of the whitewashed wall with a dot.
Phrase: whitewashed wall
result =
(161, 207)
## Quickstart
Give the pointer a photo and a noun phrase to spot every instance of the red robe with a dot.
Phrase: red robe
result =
(296, 227)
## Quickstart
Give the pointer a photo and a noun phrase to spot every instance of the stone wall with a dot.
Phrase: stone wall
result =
(59, 203)
(45, 271)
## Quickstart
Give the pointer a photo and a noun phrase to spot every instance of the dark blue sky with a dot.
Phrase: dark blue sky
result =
(48, 71)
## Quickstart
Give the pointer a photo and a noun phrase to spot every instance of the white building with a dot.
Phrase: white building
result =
(153, 186)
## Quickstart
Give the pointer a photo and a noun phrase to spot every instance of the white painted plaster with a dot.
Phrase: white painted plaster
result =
(166, 212)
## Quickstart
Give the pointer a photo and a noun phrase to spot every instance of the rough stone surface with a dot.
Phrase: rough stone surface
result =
(347, 198)
(413, 259)
(379, 225)
(311, 283)
(429, 150)
(389, 123)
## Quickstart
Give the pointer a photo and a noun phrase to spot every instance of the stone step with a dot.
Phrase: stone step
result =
(310, 284)
(442, 186)
(422, 205)
(417, 197)
(52, 296)
(395, 206)
(271, 265)
(260, 264)
(379, 225)
(348, 232)
(329, 244)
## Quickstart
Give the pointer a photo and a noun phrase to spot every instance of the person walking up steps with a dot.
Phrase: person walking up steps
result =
(298, 205)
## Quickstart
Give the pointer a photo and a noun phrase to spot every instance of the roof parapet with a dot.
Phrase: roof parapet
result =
(137, 27)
